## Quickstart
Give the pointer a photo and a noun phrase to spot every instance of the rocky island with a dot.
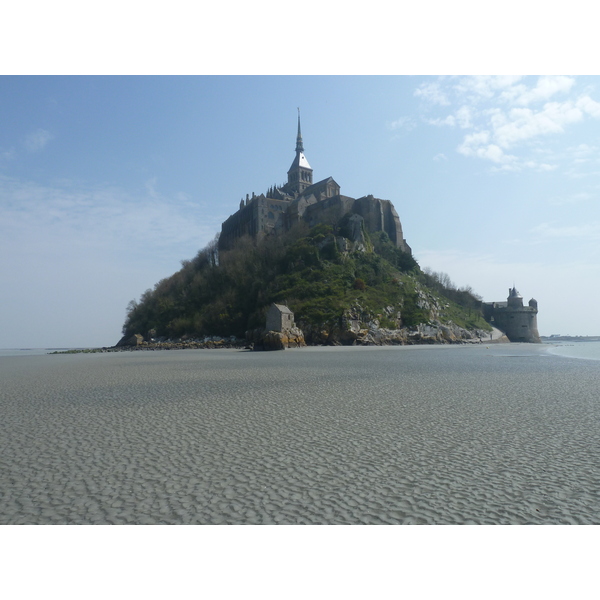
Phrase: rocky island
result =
(340, 265)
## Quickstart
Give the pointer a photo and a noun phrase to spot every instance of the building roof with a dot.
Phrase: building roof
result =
(513, 293)
(316, 186)
(282, 308)
(300, 161)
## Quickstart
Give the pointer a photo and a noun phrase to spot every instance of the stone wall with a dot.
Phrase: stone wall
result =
(519, 324)
(329, 210)
(380, 215)
(259, 216)
(262, 215)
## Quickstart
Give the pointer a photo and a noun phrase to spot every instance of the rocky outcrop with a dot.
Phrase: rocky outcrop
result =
(261, 339)
(356, 233)
(358, 327)
(131, 340)
(380, 215)
(373, 335)
(354, 329)
(137, 342)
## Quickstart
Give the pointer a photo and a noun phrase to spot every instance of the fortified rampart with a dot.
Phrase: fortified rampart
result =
(302, 200)
(258, 216)
(518, 322)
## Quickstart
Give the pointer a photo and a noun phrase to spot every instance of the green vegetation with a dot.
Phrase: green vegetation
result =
(315, 272)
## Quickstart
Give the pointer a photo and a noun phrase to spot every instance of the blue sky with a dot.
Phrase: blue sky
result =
(108, 182)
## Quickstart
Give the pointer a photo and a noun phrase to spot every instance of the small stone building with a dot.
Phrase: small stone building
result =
(279, 318)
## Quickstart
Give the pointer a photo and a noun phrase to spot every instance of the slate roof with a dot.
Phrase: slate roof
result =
(513, 293)
(300, 161)
(315, 186)
(282, 308)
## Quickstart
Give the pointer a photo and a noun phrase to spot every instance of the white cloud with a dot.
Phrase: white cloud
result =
(540, 166)
(440, 156)
(479, 145)
(450, 120)
(407, 123)
(493, 153)
(510, 129)
(37, 140)
(432, 92)
(512, 89)
(484, 86)
(464, 117)
(523, 123)
(545, 88)
(589, 106)
(508, 114)
(475, 139)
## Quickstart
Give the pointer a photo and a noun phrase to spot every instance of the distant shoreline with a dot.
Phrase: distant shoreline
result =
(215, 344)
(243, 345)
(570, 338)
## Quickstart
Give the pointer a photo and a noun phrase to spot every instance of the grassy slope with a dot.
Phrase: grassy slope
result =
(305, 270)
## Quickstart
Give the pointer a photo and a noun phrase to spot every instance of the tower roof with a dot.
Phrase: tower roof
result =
(299, 144)
(513, 293)
(300, 159)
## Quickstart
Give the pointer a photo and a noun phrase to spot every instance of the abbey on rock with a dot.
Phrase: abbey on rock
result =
(300, 199)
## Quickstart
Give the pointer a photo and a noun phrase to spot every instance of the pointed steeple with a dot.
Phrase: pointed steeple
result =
(299, 144)
(300, 173)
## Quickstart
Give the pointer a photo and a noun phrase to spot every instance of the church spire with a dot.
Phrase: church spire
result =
(299, 144)
(300, 173)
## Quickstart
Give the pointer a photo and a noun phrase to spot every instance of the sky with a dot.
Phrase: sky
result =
(126, 142)
(108, 182)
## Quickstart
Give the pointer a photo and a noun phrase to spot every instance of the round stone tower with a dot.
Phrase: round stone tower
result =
(518, 322)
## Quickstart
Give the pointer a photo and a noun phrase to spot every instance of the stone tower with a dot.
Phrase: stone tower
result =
(514, 300)
(300, 174)
(518, 322)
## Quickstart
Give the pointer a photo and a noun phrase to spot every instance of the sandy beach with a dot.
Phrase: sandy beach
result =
(505, 434)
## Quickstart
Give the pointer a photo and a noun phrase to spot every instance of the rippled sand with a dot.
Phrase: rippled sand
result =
(505, 434)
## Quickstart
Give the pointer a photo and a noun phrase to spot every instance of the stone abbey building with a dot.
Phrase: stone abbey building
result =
(300, 199)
